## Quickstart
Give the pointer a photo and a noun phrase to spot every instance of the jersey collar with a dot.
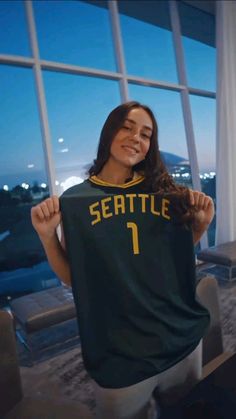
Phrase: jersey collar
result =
(136, 181)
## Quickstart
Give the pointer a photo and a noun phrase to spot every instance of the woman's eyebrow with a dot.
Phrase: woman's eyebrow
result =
(134, 123)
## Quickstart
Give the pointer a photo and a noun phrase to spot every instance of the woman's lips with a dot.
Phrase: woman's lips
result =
(130, 149)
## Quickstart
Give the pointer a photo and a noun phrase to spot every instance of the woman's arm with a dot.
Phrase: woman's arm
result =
(46, 217)
(204, 213)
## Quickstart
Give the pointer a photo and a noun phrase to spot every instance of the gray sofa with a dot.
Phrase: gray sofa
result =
(13, 404)
(52, 308)
(223, 257)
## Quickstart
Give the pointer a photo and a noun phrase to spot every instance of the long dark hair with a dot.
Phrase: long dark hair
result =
(157, 179)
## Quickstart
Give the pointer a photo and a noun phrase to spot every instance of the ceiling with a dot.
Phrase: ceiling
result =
(208, 6)
(197, 17)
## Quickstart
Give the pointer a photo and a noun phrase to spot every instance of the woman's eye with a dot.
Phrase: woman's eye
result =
(126, 127)
(146, 136)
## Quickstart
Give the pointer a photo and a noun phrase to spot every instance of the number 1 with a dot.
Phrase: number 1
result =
(134, 229)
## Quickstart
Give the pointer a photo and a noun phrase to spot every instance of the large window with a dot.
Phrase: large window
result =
(80, 44)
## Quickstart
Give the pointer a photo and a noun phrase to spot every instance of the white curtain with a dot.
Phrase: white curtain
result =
(226, 121)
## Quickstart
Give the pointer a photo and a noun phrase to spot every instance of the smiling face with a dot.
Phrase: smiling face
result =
(131, 143)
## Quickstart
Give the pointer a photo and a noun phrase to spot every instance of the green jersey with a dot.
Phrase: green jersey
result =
(133, 281)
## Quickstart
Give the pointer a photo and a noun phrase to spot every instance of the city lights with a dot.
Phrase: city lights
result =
(25, 185)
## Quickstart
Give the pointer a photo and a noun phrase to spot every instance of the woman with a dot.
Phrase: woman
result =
(128, 254)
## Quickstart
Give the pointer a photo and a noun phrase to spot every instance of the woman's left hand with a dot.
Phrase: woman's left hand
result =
(204, 214)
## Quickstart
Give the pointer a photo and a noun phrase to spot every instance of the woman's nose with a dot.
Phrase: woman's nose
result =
(136, 136)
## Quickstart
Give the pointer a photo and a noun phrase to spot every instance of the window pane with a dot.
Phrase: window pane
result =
(77, 107)
(204, 122)
(21, 153)
(166, 106)
(22, 172)
(198, 30)
(13, 29)
(74, 32)
(200, 64)
(147, 39)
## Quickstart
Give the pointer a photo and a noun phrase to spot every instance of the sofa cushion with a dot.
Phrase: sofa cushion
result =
(42, 309)
(222, 254)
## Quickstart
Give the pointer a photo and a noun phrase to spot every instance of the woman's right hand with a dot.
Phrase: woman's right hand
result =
(46, 217)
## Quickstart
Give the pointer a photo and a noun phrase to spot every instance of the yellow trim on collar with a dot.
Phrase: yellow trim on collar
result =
(100, 182)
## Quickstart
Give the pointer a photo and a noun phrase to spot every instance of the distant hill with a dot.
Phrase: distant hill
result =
(168, 158)
(172, 159)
